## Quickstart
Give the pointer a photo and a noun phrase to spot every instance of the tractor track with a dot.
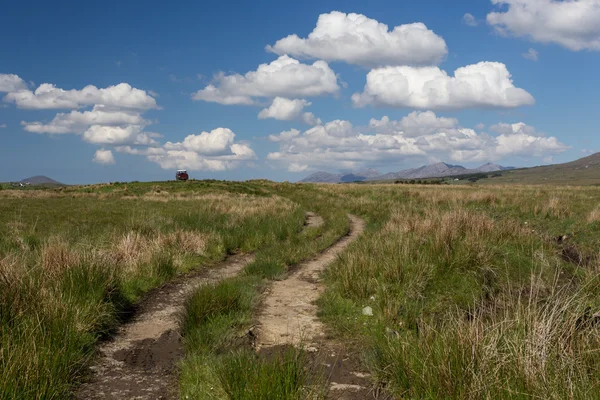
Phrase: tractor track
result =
(289, 318)
(139, 361)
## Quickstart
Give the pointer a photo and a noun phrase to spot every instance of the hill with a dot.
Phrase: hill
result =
(326, 177)
(41, 180)
(584, 171)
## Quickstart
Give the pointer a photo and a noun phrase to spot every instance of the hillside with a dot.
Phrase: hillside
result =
(584, 171)
(41, 180)
(358, 176)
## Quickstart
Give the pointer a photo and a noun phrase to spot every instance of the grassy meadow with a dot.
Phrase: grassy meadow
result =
(476, 291)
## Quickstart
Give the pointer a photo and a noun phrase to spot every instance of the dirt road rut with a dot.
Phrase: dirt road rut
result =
(289, 317)
(139, 362)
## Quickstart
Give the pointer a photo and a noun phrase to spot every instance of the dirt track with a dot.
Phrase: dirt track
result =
(139, 362)
(289, 317)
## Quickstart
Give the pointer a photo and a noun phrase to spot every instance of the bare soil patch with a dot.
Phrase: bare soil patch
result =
(139, 361)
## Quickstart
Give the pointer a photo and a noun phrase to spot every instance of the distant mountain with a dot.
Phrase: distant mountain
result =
(489, 167)
(326, 177)
(41, 180)
(323, 177)
(437, 170)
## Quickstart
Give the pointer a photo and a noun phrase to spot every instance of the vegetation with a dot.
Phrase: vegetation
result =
(476, 291)
(471, 296)
(73, 261)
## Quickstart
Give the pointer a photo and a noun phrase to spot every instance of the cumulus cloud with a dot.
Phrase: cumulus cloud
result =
(414, 124)
(115, 118)
(103, 156)
(117, 135)
(216, 142)
(213, 151)
(288, 110)
(531, 54)
(385, 142)
(284, 77)
(77, 122)
(357, 39)
(572, 24)
(485, 84)
(470, 20)
(48, 96)
(11, 83)
(513, 129)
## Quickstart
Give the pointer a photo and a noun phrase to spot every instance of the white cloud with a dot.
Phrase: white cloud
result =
(216, 142)
(572, 24)
(531, 54)
(414, 124)
(357, 39)
(284, 109)
(213, 151)
(485, 84)
(117, 135)
(48, 96)
(103, 156)
(470, 20)
(288, 110)
(310, 119)
(11, 83)
(422, 136)
(77, 122)
(513, 129)
(2, 126)
(284, 77)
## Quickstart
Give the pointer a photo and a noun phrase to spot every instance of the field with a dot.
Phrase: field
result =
(474, 291)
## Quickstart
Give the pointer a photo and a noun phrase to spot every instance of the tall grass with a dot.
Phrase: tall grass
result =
(220, 361)
(469, 294)
(72, 263)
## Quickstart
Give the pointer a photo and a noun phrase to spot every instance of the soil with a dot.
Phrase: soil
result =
(289, 318)
(139, 361)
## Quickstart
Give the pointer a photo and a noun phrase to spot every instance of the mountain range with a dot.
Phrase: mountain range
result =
(437, 170)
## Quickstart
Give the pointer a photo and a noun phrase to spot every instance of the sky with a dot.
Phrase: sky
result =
(120, 91)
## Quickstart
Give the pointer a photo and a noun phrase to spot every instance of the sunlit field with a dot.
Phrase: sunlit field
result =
(476, 292)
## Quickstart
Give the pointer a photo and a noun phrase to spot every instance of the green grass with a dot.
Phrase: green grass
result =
(219, 362)
(72, 263)
(471, 297)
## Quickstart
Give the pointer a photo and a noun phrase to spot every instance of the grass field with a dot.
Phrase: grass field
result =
(476, 291)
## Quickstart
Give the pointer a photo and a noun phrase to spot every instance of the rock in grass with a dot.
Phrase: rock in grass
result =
(367, 311)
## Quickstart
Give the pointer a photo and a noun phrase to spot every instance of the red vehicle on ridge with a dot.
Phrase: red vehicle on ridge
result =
(181, 175)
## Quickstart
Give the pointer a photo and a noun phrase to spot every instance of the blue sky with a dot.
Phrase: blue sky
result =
(173, 109)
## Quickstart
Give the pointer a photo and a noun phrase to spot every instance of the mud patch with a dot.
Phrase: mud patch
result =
(149, 354)
(573, 255)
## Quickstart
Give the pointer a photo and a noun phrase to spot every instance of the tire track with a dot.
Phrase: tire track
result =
(139, 362)
(289, 317)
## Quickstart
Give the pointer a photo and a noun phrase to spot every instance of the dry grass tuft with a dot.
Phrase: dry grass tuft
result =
(594, 215)
(56, 257)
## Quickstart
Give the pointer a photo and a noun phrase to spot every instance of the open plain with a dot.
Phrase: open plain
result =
(254, 290)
